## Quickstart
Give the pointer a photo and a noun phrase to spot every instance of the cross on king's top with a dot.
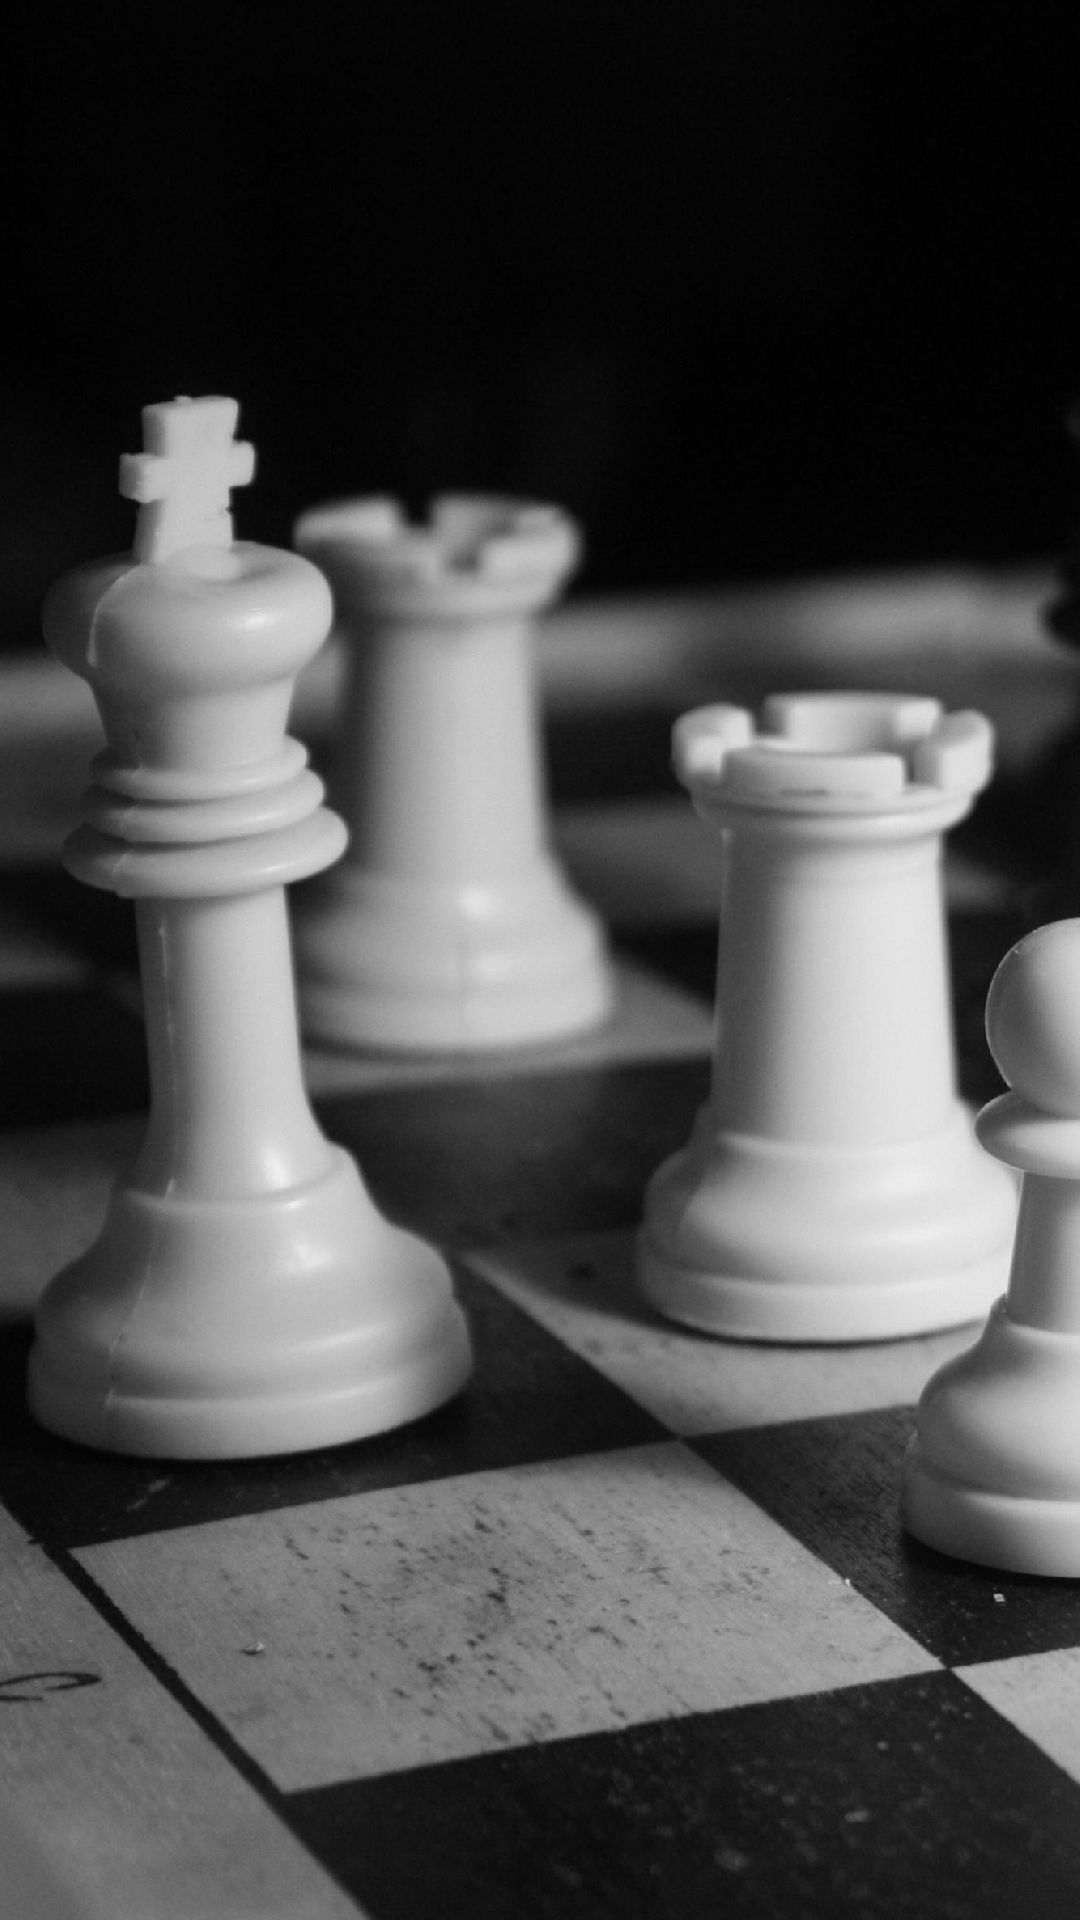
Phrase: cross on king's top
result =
(183, 478)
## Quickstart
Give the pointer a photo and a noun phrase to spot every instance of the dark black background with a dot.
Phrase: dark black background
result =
(753, 287)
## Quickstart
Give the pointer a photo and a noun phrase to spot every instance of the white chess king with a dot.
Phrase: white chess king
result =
(993, 1471)
(244, 1296)
(832, 1189)
(449, 926)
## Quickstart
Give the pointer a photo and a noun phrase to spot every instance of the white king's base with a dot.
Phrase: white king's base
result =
(202, 1331)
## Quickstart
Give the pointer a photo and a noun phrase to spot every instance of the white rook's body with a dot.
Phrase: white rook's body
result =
(832, 1189)
(245, 1296)
(449, 925)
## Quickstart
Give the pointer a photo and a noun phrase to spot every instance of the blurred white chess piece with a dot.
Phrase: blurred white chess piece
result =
(449, 925)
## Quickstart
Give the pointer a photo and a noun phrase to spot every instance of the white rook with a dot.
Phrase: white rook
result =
(449, 926)
(832, 1188)
(244, 1296)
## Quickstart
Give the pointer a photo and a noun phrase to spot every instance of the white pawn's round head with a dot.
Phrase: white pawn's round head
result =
(1033, 1018)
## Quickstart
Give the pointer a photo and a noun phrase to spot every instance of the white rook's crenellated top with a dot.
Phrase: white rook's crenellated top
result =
(832, 1189)
(828, 752)
(450, 925)
(244, 1296)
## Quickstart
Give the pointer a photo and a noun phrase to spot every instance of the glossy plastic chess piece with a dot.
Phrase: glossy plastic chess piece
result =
(993, 1471)
(449, 925)
(245, 1296)
(832, 1188)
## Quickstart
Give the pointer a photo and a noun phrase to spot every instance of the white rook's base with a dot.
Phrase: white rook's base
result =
(202, 1330)
(449, 971)
(762, 1240)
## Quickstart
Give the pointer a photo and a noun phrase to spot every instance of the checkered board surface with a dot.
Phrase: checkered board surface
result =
(629, 1629)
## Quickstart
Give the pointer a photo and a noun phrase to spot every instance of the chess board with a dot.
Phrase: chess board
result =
(628, 1629)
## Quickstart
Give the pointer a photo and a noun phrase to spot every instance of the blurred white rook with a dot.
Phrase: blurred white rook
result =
(449, 925)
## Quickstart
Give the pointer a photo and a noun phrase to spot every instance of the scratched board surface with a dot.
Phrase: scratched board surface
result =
(631, 1627)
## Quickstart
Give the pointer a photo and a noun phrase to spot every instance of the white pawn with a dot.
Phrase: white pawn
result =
(832, 1188)
(244, 1295)
(993, 1471)
(449, 925)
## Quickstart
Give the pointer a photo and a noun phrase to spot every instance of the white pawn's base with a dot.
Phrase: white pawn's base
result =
(390, 964)
(768, 1240)
(198, 1329)
(993, 1474)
